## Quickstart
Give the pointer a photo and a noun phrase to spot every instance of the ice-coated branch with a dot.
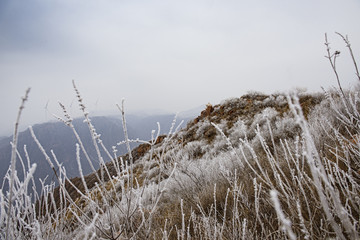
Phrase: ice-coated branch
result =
(13, 158)
(286, 223)
(42, 149)
(332, 59)
(348, 45)
(122, 110)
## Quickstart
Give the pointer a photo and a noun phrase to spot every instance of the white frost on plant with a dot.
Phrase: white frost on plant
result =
(286, 223)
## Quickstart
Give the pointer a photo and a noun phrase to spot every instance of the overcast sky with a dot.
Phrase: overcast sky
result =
(163, 54)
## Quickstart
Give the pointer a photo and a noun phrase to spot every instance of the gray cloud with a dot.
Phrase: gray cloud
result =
(170, 55)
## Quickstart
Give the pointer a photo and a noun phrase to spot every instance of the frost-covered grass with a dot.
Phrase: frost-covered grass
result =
(117, 203)
(276, 184)
(280, 176)
(255, 167)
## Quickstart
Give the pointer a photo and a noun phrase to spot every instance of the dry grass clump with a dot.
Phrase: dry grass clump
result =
(237, 203)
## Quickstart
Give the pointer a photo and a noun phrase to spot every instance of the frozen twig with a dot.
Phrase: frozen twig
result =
(348, 45)
(13, 160)
(286, 223)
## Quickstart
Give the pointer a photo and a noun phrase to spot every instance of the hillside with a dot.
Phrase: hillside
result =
(255, 167)
(200, 140)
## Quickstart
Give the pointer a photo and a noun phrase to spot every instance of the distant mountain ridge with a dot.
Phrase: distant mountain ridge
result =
(58, 137)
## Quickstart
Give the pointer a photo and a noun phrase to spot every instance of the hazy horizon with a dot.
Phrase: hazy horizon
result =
(165, 55)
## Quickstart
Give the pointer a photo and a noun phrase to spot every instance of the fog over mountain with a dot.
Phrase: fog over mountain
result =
(60, 138)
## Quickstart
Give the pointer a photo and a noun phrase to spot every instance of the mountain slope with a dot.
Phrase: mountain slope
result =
(237, 118)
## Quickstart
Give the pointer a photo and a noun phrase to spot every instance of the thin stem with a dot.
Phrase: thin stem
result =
(346, 40)
(332, 62)
(13, 159)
